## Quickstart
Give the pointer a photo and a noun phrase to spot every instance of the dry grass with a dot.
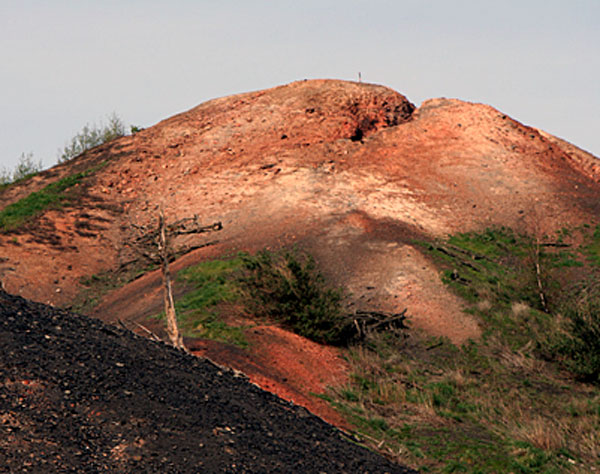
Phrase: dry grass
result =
(484, 305)
(520, 309)
(459, 378)
(519, 401)
(520, 358)
(541, 432)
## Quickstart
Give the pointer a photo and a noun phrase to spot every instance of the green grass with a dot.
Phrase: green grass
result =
(54, 195)
(210, 284)
(211, 326)
(468, 410)
(592, 247)
(22, 179)
(499, 404)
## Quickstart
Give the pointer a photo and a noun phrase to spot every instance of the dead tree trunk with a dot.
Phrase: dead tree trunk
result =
(538, 276)
(170, 313)
(156, 245)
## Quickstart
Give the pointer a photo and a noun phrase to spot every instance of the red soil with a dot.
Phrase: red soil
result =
(349, 171)
(286, 364)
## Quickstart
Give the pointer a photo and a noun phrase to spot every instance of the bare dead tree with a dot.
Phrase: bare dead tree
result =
(537, 233)
(163, 253)
(157, 246)
(538, 275)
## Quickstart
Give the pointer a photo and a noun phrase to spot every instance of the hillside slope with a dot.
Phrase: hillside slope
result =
(358, 177)
(77, 395)
(350, 171)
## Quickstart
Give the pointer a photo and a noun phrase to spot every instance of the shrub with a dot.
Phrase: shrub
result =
(92, 136)
(5, 177)
(26, 168)
(578, 345)
(287, 287)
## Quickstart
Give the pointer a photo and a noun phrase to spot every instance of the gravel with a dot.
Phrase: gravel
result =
(77, 395)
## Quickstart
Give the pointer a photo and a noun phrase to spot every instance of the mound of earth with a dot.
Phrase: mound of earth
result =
(352, 172)
(77, 395)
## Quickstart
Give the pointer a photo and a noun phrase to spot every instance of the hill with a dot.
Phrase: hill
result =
(384, 195)
(348, 164)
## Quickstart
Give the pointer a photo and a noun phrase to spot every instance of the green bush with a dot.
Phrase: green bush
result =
(288, 288)
(578, 345)
(92, 136)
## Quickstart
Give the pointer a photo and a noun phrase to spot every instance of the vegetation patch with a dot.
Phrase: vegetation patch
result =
(512, 401)
(284, 287)
(592, 244)
(287, 287)
(578, 341)
(211, 284)
(53, 196)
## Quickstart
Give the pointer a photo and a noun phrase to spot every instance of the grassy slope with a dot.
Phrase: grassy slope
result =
(54, 195)
(495, 405)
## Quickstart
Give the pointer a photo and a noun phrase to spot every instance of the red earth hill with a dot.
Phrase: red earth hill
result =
(353, 172)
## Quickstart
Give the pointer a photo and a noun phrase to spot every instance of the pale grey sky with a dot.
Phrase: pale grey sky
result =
(65, 63)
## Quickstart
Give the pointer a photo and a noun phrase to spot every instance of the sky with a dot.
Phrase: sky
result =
(68, 63)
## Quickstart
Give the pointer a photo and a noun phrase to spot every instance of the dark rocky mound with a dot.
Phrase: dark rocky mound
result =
(77, 395)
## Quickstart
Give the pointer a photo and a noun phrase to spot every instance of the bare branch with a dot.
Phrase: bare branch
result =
(156, 246)
(163, 251)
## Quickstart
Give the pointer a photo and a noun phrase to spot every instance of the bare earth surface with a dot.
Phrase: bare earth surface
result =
(77, 395)
(351, 172)
(283, 363)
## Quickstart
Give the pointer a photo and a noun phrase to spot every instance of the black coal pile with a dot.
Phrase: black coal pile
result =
(77, 395)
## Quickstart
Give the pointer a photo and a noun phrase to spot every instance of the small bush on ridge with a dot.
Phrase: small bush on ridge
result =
(92, 136)
(287, 287)
(578, 346)
(26, 168)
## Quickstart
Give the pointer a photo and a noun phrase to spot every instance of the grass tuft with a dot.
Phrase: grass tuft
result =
(211, 284)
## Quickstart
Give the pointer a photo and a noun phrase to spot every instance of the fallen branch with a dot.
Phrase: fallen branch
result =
(153, 336)
(473, 255)
(150, 333)
(554, 244)
(434, 346)
(367, 322)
